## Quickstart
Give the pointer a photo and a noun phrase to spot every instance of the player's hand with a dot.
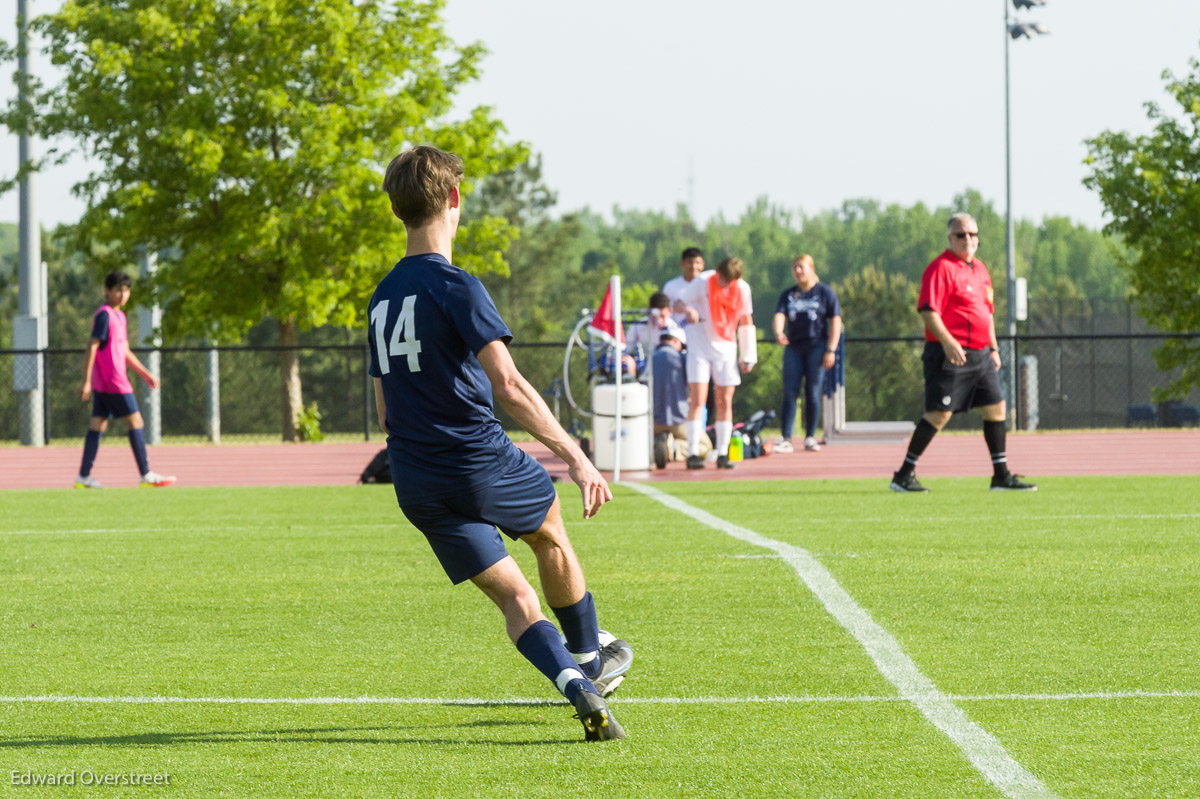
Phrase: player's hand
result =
(746, 367)
(692, 315)
(592, 485)
(954, 353)
(152, 381)
(85, 391)
(781, 339)
(996, 359)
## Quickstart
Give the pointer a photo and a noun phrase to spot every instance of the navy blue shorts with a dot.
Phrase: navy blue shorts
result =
(461, 529)
(109, 405)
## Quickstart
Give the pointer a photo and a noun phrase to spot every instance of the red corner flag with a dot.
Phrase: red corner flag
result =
(604, 324)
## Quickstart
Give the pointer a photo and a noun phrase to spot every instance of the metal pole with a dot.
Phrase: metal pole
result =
(212, 381)
(614, 286)
(368, 392)
(149, 321)
(29, 327)
(45, 356)
(1010, 244)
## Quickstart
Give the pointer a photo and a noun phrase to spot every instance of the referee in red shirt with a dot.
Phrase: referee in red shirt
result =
(961, 356)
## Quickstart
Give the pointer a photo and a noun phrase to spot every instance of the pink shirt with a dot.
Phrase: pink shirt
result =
(108, 372)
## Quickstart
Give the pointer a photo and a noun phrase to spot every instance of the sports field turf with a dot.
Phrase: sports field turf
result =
(1063, 623)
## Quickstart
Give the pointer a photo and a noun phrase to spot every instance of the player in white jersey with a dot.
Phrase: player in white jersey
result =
(691, 267)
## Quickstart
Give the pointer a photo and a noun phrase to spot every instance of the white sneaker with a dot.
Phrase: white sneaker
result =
(782, 445)
(811, 444)
(87, 482)
(156, 480)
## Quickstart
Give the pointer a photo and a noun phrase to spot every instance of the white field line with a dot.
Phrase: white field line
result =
(636, 700)
(981, 748)
(321, 528)
(840, 520)
(1022, 517)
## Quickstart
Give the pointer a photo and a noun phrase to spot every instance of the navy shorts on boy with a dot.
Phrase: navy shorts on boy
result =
(106, 405)
(461, 529)
(456, 474)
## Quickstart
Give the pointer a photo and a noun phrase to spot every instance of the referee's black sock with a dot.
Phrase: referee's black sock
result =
(996, 434)
(916, 445)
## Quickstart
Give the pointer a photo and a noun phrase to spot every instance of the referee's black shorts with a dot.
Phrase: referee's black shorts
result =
(959, 388)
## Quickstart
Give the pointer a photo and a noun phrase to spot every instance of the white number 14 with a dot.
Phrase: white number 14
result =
(399, 345)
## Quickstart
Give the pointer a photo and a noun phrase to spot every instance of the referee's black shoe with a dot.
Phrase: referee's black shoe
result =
(907, 484)
(1011, 482)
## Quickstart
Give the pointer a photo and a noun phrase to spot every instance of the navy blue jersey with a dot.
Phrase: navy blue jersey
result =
(808, 313)
(428, 320)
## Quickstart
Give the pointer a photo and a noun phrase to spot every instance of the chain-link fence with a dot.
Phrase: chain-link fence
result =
(1101, 380)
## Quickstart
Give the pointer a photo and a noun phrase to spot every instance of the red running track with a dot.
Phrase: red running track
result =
(1035, 455)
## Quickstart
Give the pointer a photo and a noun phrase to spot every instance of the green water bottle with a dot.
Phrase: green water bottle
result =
(735, 448)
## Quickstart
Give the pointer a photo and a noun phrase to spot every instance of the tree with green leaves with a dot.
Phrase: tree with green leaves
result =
(884, 376)
(1150, 186)
(245, 141)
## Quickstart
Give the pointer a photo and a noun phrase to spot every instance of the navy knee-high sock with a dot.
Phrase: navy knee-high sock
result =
(582, 631)
(996, 436)
(541, 646)
(917, 444)
(138, 442)
(91, 445)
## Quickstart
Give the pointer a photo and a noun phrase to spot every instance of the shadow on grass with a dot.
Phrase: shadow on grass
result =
(318, 735)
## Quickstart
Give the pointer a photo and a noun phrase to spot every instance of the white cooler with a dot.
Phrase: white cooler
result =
(635, 426)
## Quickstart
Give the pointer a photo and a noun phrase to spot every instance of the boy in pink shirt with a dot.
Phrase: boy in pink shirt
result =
(105, 382)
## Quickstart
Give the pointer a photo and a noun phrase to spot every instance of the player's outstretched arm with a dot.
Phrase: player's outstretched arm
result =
(526, 406)
(85, 388)
(136, 365)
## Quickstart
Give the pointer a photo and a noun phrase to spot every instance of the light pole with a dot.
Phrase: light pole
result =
(29, 326)
(1014, 30)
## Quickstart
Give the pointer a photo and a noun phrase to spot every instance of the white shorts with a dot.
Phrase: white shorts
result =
(722, 368)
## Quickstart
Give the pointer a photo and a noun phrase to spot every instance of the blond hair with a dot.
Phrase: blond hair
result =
(419, 181)
(730, 269)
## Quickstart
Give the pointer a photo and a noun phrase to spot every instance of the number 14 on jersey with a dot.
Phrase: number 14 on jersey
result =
(404, 340)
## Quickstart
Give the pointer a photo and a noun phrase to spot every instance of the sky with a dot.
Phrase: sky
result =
(649, 104)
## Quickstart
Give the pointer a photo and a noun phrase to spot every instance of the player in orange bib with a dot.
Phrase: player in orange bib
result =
(719, 311)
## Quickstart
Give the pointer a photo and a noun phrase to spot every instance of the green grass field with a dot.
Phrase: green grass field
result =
(1064, 623)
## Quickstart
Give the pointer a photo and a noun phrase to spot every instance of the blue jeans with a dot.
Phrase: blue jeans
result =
(802, 362)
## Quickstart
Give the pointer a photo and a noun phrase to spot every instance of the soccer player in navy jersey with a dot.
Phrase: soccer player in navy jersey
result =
(438, 352)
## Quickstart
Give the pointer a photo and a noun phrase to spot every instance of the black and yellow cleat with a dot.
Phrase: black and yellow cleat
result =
(597, 719)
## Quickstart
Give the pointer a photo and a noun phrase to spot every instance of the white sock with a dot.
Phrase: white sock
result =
(695, 428)
(724, 433)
